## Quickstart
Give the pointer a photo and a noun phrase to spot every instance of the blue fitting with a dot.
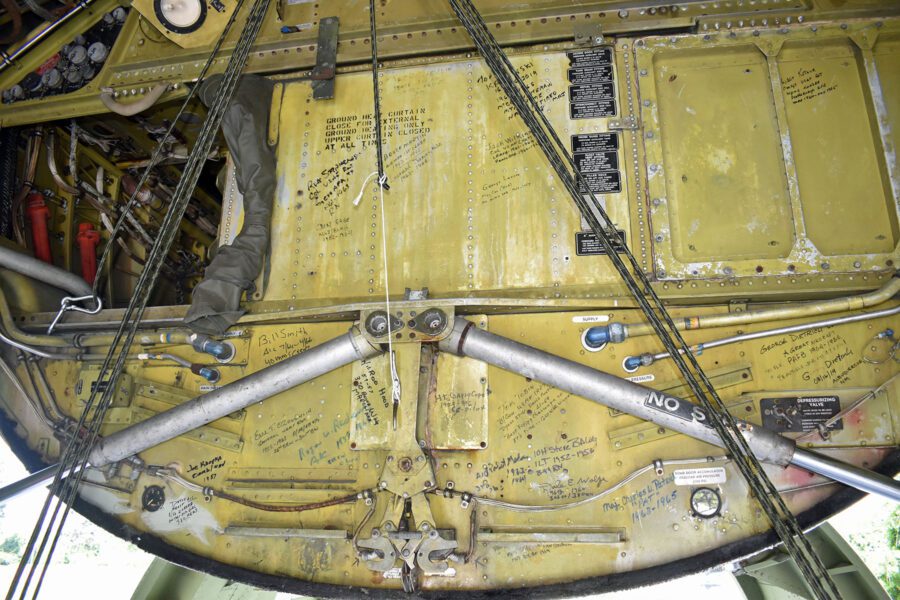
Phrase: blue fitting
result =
(597, 336)
(209, 374)
(632, 362)
(219, 350)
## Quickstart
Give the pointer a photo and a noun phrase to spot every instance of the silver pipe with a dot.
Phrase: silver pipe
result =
(648, 404)
(631, 363)
(7, 60)
(30, 482)
(46, 273)
(282, 376)
(672, 413)
(861, 479)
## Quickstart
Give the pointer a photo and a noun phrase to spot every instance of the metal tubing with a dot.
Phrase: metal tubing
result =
(861, 479)
(7, 60)
(282, 376)
(619, 332)
(633, 362)
(673, 413)
(33, 481)
(37, 269)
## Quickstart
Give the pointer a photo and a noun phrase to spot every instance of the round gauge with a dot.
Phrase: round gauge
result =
(180, 16)
(153, 498)
(51, 79)
(97, 52)
(77, 54)
(705, 503)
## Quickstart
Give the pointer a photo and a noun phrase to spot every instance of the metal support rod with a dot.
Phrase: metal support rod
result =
(263, 384)
(31, 482)
(861, 479)
(672, 413)
(7, 60)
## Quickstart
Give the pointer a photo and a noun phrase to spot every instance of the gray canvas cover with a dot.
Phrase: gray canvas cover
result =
(235, 267)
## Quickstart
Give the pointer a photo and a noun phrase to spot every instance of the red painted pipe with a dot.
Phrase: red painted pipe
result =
(88, 239)
(39, 214)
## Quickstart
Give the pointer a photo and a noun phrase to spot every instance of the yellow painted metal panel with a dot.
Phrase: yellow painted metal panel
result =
(847, 205)
(727, 191)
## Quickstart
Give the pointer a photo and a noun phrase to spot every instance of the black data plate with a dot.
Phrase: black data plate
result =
(595, 142)
(799, 413)
(587, 244)
(589, 73)
(593, 110)
(601, 91)
(592, 162)
(603, 182)
(587, 58)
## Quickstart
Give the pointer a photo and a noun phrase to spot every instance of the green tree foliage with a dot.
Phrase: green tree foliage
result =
(12, 545)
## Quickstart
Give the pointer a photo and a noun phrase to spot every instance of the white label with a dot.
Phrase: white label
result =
(292, 2)
(641, 378)
(591, 319)
(208, 388)
(704, 476)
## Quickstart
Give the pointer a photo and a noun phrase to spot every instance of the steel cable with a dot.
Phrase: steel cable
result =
(77, 451)
(530, 111)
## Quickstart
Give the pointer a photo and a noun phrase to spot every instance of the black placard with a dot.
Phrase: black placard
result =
(591, 92)
(593, 110)
(591, 162)
(588, 244)
(799, 413)
(595, 142)
(589, 73)
(583, 58)
(603, 182)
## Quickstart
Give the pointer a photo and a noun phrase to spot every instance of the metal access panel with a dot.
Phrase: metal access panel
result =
(472, 207)
(772, 152)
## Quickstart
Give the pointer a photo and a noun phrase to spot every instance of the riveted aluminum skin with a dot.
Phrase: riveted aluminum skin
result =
(673, 413)
(262, 384)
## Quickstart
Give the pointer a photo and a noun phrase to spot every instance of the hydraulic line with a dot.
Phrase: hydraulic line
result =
(13, 331)
(41, 271)
(675, 414)
(522, 99)
(8, 59)
(632, 363)
(619, 332)
(76, 453)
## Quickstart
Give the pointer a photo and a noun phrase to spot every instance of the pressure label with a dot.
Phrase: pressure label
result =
(595, 142)
(605, 107)
(592, 162)
(593, 72)
(588, 244)
(602, 182)
(592, 93)
(799, 413)
(701, 476)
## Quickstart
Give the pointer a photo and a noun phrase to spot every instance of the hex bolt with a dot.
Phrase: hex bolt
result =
(405, 464)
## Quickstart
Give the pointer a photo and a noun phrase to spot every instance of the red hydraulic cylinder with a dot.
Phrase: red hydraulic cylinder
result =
(39, 214)
(88, 239)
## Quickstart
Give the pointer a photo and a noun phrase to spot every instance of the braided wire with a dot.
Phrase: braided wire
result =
(530, 111)
(77, 452)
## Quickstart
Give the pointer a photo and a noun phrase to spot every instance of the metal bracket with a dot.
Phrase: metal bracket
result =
(588, 34)
(326, 59)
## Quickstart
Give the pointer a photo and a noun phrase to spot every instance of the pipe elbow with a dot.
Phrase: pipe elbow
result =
(133, 108)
